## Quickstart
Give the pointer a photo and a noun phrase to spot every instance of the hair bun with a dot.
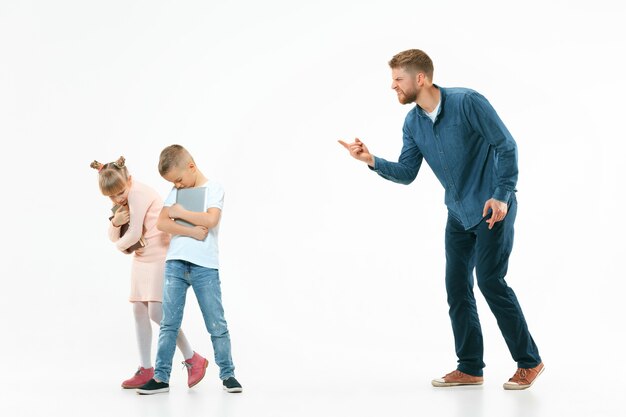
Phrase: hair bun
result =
(96, 165)
(120, 163)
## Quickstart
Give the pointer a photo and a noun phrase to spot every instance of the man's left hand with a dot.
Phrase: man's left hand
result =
(498, 211)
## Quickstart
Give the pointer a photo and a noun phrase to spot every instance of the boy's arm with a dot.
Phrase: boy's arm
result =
(167, 225)
(208, 219)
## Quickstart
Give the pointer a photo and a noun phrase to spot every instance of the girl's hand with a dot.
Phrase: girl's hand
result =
(121, 216)
(139, 251)
(198, 232)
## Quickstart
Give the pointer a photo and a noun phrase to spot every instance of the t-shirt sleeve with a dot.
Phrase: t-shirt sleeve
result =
(215, 196)
(171, 198)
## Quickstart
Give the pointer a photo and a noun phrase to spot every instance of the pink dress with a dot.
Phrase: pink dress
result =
(146, 277)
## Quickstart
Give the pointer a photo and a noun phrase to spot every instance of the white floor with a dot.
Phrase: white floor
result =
(557, 393)
(348, 347)
(332, 342)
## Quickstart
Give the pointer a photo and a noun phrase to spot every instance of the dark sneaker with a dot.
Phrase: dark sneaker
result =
(524, 377)
(153, 387)
(232, 385)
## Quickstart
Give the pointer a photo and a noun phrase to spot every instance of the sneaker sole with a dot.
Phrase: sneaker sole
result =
(132, 386)
(452, 384)
(206, 364)
(517, 387)
(152, 391)
(233, 389)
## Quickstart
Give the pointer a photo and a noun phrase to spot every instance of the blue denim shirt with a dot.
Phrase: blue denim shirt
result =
(468, 148)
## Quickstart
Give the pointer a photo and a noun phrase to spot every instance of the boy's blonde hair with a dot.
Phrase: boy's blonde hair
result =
(174, 156)
(112, 176)
(413, 61)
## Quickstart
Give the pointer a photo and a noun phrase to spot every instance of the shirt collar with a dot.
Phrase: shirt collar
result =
(442, 98)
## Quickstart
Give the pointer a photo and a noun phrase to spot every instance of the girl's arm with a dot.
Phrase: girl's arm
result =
(114, 232)
(138, 205)
(119, 218)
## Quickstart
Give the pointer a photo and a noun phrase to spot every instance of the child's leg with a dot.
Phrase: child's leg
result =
(174, 293)
(156, 314)
(143, 330)
(206, 285)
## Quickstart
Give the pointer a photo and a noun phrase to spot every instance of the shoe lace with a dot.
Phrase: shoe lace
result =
(186, 365)
(455, 373)
(520, 374)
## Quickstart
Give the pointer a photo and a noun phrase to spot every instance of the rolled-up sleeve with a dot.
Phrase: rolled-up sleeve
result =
(484, 119)
(405, 170)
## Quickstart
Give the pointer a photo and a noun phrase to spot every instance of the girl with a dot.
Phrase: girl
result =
(136, 211)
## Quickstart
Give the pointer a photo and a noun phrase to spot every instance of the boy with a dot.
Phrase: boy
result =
(192, 260)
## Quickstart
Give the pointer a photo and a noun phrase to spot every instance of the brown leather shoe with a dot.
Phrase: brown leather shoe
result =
(524, 377)
(456, 378)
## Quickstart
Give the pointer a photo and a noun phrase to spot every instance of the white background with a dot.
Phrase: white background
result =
(332, 277)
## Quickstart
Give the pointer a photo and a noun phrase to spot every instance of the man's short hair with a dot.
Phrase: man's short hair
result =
(413, 61)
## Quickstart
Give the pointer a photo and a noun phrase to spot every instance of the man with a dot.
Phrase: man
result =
(475, 158)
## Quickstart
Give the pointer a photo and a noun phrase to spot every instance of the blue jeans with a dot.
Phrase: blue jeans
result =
(179, 275)
(488, 251)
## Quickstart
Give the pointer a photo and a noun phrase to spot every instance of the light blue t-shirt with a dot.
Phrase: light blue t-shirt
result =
(200, 252)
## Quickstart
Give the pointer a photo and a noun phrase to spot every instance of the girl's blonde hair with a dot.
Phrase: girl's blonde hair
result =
(112, 176)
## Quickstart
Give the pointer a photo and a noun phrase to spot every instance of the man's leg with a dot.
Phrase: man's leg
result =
(460, 258)
(493, 248)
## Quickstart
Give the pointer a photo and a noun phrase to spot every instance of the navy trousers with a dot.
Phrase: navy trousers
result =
(488, 252)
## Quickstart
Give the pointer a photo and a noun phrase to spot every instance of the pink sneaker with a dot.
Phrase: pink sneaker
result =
(196, 368)
(141, 377)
